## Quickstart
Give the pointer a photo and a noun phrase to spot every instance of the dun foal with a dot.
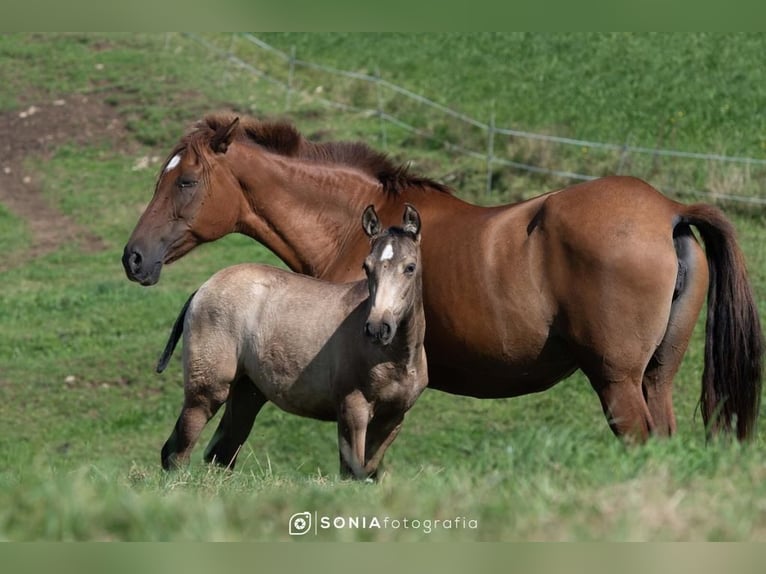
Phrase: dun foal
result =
(350, 353)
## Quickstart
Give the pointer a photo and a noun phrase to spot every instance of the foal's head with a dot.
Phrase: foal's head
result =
(393, 273)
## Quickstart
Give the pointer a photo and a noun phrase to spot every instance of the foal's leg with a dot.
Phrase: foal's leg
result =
(353, 418)
(658, 378)
(379, 438)
(243, 405)
(206, 388)
(197, 410)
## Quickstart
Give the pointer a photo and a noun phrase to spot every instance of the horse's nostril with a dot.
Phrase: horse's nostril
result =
(135, 261)
(379, 332)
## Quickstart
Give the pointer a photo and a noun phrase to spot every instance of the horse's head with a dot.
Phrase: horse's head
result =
(393, 273)
(175, 222)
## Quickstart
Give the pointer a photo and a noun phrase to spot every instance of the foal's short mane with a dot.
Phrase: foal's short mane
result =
(284, 139)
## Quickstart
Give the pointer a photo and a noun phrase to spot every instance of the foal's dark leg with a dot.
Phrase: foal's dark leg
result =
(243, 405)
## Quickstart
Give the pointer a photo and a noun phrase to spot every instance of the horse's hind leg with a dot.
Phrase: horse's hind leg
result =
(615, 366)
(243, 405)
(617, 315)
(625, 408)
(689, 297)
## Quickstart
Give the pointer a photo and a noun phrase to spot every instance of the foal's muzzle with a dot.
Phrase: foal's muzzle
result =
(381, 333)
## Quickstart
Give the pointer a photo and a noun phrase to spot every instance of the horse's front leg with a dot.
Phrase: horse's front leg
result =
(353, 418)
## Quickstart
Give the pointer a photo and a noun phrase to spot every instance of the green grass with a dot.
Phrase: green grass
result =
(13, 231)
(704, 88)
(698, 93)
(541, 489)
(83, 415)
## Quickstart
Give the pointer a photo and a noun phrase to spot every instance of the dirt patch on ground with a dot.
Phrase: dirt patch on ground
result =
(35, 132)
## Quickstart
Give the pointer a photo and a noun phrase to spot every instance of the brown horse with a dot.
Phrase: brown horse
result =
(605, 276)
(255, 333)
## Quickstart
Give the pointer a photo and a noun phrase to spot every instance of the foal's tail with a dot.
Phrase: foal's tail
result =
(175, 334)
(731, 380)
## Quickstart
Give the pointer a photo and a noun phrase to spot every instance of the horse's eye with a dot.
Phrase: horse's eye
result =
(410, 269)
(184, 183)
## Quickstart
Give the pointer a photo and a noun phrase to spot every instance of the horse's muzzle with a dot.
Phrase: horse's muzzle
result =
(138, 269)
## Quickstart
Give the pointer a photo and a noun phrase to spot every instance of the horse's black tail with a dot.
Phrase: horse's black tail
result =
(731, 380)
(175, 335)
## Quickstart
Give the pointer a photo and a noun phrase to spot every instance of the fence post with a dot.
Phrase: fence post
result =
(623, 155)
(381, 120)
(290, 73)
(490, 147)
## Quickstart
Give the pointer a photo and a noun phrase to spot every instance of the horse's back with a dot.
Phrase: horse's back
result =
(611, 206)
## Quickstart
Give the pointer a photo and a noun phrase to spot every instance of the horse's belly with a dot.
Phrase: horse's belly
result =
(495, 385)
(500, 376)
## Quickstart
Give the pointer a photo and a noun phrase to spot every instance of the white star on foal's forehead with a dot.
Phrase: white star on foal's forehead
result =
(388, 253)
(174, 161)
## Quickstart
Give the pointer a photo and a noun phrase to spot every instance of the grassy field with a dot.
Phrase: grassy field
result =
(83, 416)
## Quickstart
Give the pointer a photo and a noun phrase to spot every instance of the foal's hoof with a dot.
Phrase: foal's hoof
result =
(171, 462)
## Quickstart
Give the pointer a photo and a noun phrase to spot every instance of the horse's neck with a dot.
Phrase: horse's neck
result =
(305, 213)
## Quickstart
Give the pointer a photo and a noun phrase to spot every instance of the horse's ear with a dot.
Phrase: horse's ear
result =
(223, 137)
(370, 221)
(411, 220)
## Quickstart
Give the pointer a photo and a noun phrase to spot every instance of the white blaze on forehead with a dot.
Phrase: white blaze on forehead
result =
(174, 161)
(388, 253)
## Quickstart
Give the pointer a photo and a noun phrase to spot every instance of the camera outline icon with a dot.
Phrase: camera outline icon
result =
(299, 523)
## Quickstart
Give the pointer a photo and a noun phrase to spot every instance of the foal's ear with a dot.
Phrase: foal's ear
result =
(411, 220)
(370, 221)
(223, 137)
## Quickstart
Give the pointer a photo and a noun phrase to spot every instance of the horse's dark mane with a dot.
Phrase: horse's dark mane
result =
(284, 139)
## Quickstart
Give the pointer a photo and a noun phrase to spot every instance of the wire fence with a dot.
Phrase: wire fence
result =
(711, 175)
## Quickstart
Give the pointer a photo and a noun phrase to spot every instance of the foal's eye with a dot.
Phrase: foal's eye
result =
(410, 269)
